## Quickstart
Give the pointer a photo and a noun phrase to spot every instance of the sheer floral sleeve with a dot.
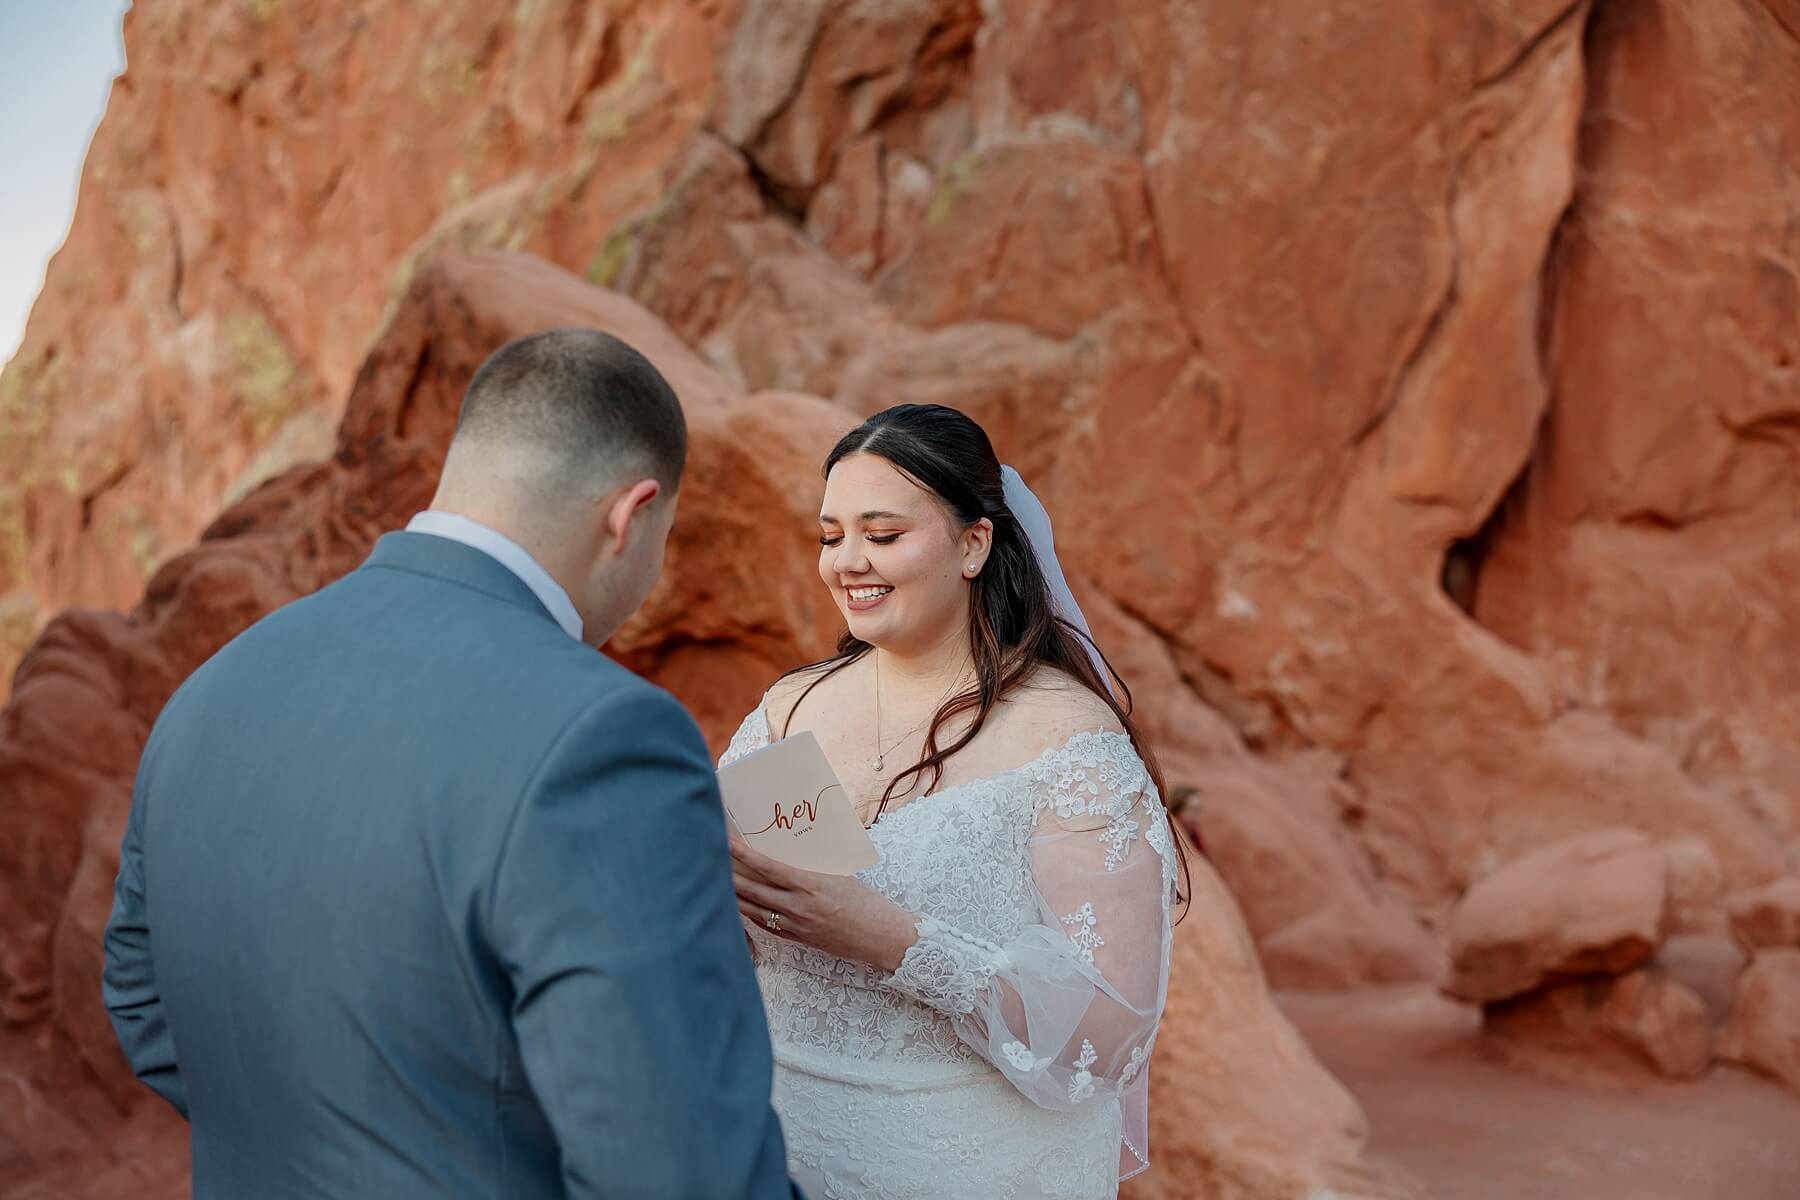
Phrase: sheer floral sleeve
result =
(752, 734)
(1067, 1009)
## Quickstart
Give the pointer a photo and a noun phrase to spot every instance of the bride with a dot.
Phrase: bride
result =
(972, 1016)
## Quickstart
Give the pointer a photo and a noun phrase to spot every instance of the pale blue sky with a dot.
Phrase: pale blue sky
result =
(57, 61)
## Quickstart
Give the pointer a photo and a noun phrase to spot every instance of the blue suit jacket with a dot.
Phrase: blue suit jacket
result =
(421, 897)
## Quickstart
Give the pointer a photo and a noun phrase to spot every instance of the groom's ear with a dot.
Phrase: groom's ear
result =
(625, 505)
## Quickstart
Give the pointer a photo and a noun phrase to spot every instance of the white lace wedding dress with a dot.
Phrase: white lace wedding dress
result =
(1004, 1059)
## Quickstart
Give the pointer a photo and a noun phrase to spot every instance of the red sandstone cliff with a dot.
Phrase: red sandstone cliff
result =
(1414, 390)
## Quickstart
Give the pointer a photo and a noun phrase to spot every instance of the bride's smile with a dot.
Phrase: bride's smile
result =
(862, 599)
(895, 562)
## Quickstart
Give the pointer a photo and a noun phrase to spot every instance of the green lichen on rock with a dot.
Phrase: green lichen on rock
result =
(607, 126)
(263, 373)
(444, 77)
(399, 280)
(608, 262)
(957, 183)
(27, 391)
(15, 547)
(142, 541)
(608, 119)
(457, 188)
(504, 230)
(18, 623)
(145, 226)
(12, 403)
(307, 436)
(611, 261)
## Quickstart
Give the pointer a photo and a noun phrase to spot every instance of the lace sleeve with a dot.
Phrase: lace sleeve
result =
(752, 734)
(1067, 1010)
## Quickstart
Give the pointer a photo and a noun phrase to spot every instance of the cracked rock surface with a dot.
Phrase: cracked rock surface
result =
(1415, 393)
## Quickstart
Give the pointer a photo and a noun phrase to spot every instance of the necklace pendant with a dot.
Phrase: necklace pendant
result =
(877, 764)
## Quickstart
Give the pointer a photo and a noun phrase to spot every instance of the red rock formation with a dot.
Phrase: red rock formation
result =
(1662, 1019)
(1601, 1027)
(1767, 917)
(266, 179)
(1290, 322)
(1648, 557)
(1287, 550)
(1594, 904)
(1273, 830)
(1764, 1032)
(1620, 1031)
(1240, 1109)
(1414, 391)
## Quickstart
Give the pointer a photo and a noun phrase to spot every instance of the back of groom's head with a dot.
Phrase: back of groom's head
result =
(581, 400)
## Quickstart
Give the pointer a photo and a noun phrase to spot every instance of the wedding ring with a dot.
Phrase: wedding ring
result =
(773, 921)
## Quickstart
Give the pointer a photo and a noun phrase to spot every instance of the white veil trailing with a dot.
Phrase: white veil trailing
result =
(1029, 511)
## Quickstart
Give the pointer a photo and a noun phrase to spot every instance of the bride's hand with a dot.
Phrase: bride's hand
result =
(838, 914)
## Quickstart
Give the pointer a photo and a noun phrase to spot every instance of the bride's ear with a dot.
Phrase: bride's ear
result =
(624, 506)
(976, 544)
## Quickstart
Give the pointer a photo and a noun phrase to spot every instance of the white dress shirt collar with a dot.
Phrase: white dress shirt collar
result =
(507, 553)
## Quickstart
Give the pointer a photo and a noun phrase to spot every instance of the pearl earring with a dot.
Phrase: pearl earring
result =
(971, 568)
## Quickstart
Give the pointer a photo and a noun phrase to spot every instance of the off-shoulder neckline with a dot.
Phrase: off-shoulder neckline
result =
(1080, 738)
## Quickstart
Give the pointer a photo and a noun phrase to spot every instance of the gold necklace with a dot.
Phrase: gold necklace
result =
(879, 762)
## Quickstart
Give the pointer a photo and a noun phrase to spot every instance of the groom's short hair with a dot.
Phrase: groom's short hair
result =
(582, 394)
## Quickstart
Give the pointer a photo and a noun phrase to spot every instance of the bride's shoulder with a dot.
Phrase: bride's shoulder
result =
(785, 693)
(1055, 706)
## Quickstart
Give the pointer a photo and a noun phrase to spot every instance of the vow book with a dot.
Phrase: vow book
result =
(787, 803)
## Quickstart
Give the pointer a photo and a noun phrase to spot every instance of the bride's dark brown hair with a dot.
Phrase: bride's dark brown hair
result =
(1013, 627)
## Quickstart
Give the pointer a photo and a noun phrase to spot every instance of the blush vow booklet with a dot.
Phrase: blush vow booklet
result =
(787, 803)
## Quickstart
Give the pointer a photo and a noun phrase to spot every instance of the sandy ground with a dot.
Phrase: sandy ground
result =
(1455, 1122)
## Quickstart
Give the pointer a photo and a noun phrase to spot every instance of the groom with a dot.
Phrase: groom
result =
(420, 895)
